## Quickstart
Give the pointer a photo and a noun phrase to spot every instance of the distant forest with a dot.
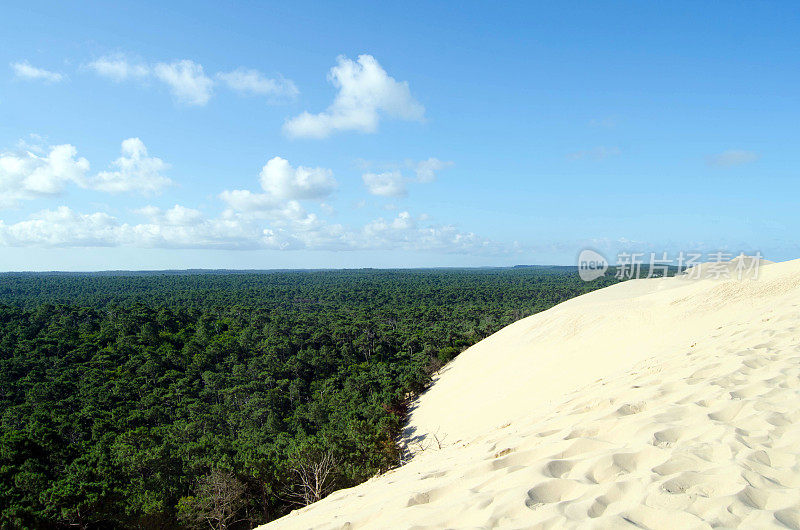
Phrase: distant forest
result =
(225, 400)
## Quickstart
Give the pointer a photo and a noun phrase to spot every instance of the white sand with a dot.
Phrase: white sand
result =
(662, 403)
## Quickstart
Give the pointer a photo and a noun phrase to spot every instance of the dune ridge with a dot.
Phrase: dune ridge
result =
(659, 403)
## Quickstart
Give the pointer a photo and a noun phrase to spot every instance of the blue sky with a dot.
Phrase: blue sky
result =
(274, 135)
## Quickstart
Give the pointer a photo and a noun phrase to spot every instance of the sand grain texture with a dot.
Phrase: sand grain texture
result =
(661, 403)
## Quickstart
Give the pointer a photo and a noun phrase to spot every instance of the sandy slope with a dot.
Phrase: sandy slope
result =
(664, 403)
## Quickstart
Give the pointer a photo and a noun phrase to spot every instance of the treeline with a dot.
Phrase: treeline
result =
(225, 400)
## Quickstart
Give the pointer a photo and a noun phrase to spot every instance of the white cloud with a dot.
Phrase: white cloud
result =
(365, 92)
(38, 171)
(24, 70)
(247, 201)
(182, 227)
(403, 221)
(733, 157)
(293, 227)
(279, 179)
(253, 82)
(33, 143)
(245, 204)
(407, 233)
(118, 68)
(177, 227)
(283, 187)
(219, 233)
(388, 180)
(186, 80)
(62, 227)
(596, 154)
(176, 216)
(426, 169)
(270, 219)
(387, 184)
(134, 171)
(28, 175)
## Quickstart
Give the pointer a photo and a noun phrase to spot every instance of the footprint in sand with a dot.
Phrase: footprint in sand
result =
(555, 490)
(558, 468)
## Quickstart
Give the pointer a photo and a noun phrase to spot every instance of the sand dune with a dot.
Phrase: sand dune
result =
(660, 403)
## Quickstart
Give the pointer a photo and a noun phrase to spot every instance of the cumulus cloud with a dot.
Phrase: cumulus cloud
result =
(389, 180)
(733, 157)
(252, 82)
(290, 226)
(133, 171)
(118, 68)
(247, 201)
(284, 186)
(38, 171)
(387, 184)
(281, 180)
(272, 218)
(24, 70)
(246, 205)
(186, 80)
(31, 174)
(408, 233)
(426, 169)
(365, 93)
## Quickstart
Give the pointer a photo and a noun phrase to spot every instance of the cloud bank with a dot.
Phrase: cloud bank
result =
(187, 228)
